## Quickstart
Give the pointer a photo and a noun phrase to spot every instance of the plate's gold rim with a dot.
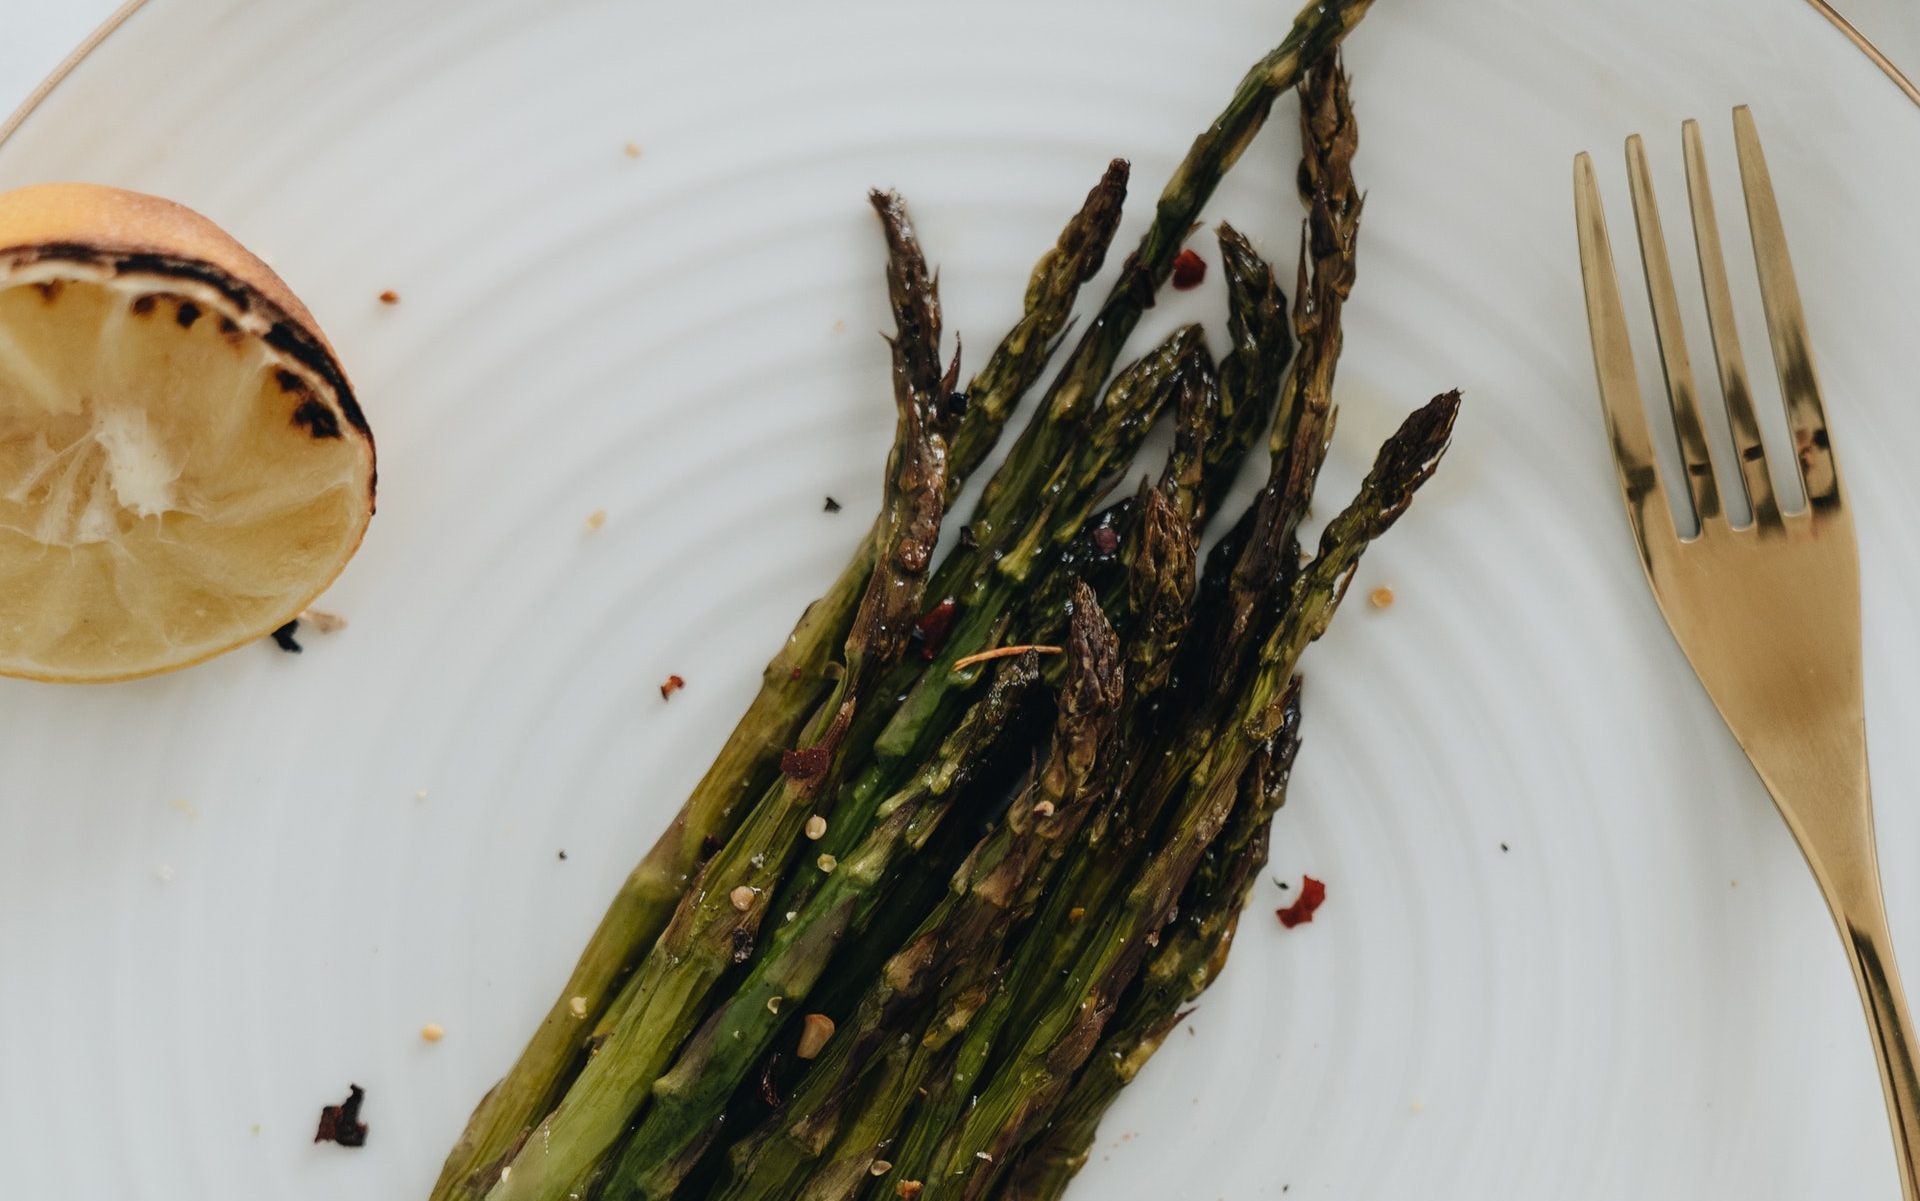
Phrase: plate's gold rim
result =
(1847, 30)
(79, 54)
(119, 17)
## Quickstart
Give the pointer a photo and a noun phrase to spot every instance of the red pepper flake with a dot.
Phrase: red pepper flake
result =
(794, 674)
(1188, 270)
(805, 763)
(673, 685)
(930, 632)
(1106, 539)
(389, 297)
(341, 1123)
(1312, 893)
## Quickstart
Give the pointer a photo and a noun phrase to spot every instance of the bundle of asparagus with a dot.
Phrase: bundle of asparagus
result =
(853, 968)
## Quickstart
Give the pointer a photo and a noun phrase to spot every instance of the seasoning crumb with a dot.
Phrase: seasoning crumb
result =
(323, 621)
(1043, 809)
(1417, 1109)
(1188, 270)
(742, 897)
(1153, 938)
(673, 684)
(419, 794)
(577, 1007)
(839, 325)
(1076, 913)
(816, 827)
(827, 863)
(983, 1155)
(256, 1130)
(832, 505)
(773, 1004)
(879, 1167)
(341, 1123)
(164, 873)
(389, 297)
(1381, 597)
(631, 150)
(1503, 848)
(815, 1030)
(907, 1190)
(284, 637)
(185, 807)
(433, 1032)
(596, 519)
(563, 854)
(1312, 894)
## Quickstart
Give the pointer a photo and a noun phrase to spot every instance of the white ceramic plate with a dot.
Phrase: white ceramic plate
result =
(226, 894)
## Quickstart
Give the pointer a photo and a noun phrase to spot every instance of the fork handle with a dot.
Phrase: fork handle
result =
(1863, 924)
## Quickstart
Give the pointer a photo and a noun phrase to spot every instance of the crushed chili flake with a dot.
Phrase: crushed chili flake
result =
(832, 505)
(1188, 270)
(1381, 597)
(931, 630)
(389, 297)
(283, 637)
(341, 1123)
(805, 763)
(1106, 539)
(907, 1190)
(673, 685)
(1312, 893)
(794, 674)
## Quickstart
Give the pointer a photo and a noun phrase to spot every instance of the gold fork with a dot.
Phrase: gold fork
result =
(1767, 612)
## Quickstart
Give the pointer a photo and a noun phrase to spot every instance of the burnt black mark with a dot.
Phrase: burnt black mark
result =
(289, 382)
(143, 305)
(341, 1123)
(50, 289)
(187, 314)
(742, 944)
(317, 418)
(283, 335)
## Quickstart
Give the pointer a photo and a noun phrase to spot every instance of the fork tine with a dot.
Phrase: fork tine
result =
(1671, 339)
(1786, 324)
(1613, 364)
(1726, 340)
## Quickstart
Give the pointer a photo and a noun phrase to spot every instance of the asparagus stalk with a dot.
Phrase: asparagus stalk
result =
(791, 686)
(1250, 375)
(1318, 28)
(709, 931)
(1159, 598)
(1304, 415)
(1110, 436)
(1026, 1088)
(688, 1099)
(986, 895)
(1178, 970)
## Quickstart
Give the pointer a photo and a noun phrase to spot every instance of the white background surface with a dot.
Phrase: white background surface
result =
(1642, 999)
